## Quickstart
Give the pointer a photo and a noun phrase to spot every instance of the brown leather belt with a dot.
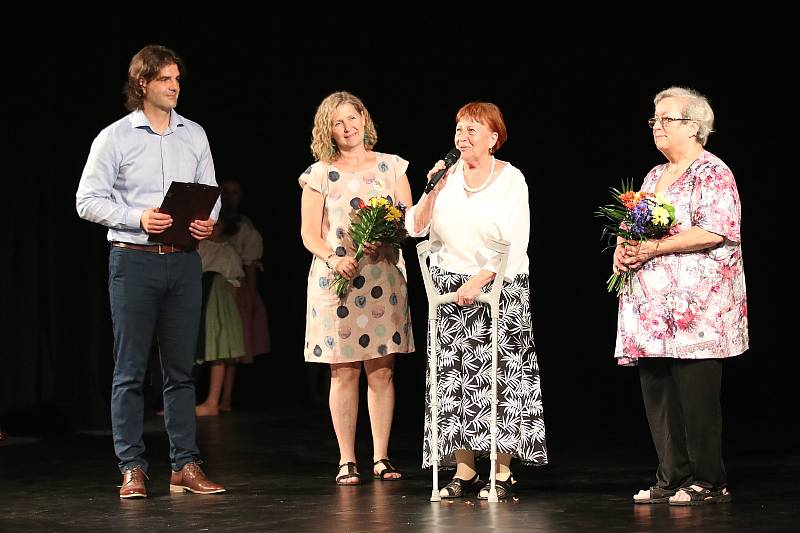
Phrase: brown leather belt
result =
(152, 248)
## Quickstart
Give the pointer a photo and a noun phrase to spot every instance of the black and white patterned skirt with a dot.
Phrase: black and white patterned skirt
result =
(464, 363)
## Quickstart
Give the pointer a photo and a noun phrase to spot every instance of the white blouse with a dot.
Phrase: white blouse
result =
(247, 242)
(221, 257)
(463, 224)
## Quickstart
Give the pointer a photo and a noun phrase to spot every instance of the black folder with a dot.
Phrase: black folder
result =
(185, 203)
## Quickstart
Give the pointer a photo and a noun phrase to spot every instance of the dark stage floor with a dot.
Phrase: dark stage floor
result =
(279, 469)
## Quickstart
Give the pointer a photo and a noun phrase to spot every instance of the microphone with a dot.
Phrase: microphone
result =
(451, 157)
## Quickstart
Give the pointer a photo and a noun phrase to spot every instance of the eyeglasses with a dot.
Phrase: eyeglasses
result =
(665, 121)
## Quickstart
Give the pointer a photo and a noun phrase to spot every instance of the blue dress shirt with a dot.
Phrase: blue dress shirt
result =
(130, 168)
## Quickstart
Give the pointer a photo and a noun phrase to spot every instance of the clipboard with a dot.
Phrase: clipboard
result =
(185, 202)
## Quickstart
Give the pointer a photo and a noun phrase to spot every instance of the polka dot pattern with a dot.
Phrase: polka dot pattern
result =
(372, 319)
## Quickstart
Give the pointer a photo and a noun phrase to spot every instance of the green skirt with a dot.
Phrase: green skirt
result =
(223, 336)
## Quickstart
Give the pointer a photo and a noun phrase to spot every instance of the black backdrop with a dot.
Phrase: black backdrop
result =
(575, 106)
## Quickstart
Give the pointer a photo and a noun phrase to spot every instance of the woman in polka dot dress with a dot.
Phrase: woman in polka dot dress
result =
(371, 322)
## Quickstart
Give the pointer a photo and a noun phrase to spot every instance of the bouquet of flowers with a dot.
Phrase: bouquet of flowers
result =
(376, 221)
(634, 216)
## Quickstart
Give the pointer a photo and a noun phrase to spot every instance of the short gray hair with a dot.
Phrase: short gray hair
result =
(695, 107)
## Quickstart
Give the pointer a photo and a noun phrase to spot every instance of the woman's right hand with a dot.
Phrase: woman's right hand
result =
(345, 266)
(436, 168)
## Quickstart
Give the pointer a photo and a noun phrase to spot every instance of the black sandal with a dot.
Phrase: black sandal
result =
(504, 488)
(459, 488)
(351, 472)
(388, 469)
(703, 496)
(655, 495)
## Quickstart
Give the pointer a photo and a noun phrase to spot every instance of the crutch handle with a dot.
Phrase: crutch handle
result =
(434, 298)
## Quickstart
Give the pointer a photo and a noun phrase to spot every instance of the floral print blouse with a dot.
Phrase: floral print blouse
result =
(690, 305)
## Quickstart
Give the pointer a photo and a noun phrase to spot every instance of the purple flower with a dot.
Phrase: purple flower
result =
(641, 216)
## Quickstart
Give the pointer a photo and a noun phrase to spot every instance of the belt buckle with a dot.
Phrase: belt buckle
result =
(160, 251)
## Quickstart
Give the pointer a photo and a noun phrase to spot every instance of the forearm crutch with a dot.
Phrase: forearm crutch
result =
(434, 301)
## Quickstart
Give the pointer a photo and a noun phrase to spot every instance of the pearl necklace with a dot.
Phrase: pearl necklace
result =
(485, 183)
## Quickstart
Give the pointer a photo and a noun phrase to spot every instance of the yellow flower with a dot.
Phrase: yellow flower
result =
(376, 201)
(660, 199)
(660, 216)
(393, 214)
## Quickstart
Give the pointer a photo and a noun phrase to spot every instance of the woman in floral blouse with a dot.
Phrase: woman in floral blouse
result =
(685, 310)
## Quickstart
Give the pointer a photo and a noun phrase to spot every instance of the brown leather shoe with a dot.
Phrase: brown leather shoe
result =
(133, 483)
(191, 478)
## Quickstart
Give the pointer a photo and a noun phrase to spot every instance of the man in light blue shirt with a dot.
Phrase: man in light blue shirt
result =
(153, 288)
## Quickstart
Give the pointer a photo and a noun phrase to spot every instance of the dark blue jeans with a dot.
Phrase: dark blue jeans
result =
(152, 293)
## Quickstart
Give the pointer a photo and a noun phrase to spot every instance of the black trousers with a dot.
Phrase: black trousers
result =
(682, 401)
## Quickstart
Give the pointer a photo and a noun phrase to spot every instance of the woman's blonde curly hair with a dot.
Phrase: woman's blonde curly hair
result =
(323, 147)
